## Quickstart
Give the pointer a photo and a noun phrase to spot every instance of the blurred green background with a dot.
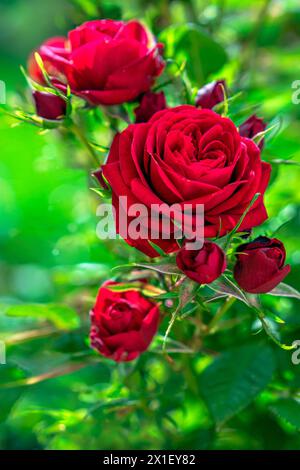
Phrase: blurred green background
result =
(54, 392)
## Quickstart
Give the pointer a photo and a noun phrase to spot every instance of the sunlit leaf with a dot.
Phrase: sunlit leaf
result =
(284, 290)
(61, 316)
(190, 43)
(235, 378)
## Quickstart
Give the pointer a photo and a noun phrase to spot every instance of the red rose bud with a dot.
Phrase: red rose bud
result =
(211, 94)
(104, 61)
(251, 127)
(202, 266)
(260, 265)
(123, 323)
(149, 105)
(49, 106)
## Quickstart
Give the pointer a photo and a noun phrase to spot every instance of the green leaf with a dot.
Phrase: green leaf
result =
(272, 333)
(8, 399)
(287, 409)
(284, 290)
(190, 43)
(63, 317)
(159, 251)
(50, 89)
(235, 378)
(166, 296)
(224, 286)
(166, 268)
(260, 136)
(146, 289)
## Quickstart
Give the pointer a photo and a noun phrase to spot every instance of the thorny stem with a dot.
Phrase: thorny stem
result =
(58, 372)
(171, 323)
(220, 313)
(81, 137)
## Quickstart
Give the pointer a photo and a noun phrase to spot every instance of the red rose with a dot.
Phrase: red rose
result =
(260, 265)
(189, 156)
(251, 127)
(49, 106)
(149, 105)
(211, 94)
(56, 43)
(204, 265)
(104, 61)
(123, 323)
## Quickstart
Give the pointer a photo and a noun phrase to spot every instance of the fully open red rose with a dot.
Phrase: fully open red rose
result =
(260, 265)
(191, 156)
(204, 265)
(104, 61)
(123, 323)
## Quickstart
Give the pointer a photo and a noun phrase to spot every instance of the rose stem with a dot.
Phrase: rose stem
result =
(222, 310)
(81, 137)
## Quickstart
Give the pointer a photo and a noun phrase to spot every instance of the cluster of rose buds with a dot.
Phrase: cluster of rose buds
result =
(185, 155)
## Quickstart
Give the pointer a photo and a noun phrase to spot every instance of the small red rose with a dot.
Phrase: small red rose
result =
(260, 265)
(122, 323)
(34, 71)
(104, 61)
(203, 266)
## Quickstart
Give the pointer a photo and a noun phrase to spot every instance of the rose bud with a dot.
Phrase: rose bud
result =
(104, 61)
(203, 266)
(260, 265)
(211, 94)
(123, 323)
(251, 127)
(49, 106)
(149, 105)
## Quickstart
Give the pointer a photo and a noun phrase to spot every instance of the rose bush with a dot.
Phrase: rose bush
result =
(213, 353)
(191, 156)
(122, 323)
(103, 61)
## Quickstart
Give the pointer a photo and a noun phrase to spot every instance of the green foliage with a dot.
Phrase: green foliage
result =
(191, 45)
(61, 316)
(288, 410)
